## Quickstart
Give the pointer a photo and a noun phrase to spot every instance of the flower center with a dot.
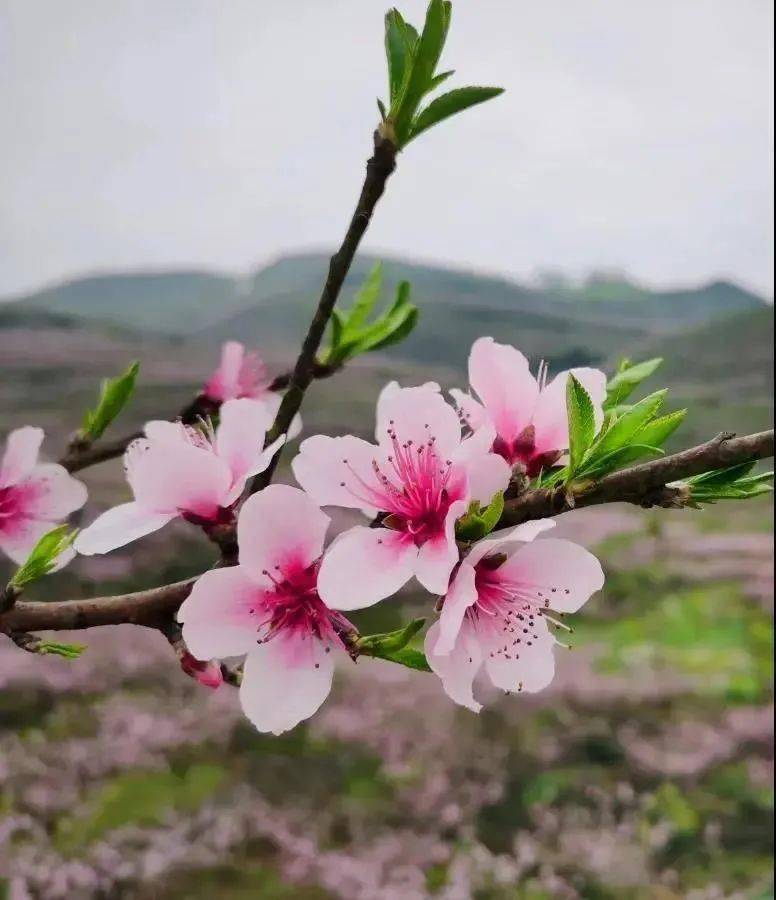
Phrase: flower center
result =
(522, 452)
(292, 609)
(9, 504)
(411, 485)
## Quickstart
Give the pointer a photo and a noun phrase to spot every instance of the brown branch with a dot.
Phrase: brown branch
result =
(645, 484)
(152, 608)
(378, 170)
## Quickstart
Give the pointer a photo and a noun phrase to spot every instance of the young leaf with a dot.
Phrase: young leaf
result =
(657, 432)
(733, 483)
(114, 396)
(450, 104)
(581, 417)
(479, 521)
(407, 656)
(390, 642)
(625, 429)
(424, 63)
(366, 297)
(399, 327)
(66, 651)
(398, 51)
(439, 79)
(44, 555)
(628, 378)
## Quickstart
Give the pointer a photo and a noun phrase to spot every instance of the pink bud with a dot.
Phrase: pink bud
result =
(206, 673)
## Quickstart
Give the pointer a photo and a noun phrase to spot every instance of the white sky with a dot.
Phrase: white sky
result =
(635, 134)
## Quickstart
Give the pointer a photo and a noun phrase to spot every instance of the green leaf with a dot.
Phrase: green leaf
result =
(618, 458)
(365, 299)
(451, 104)
(408, 656)
(628, 426)
(581, 417)
(66, 651)
(44, 555)
(479, 521)
(390, 642)
(399, 46)
(628, 378)
(382, 109)
(424, 63)
(657, 432)
(398, 328)
(114, 396)
(439, 79)
(733, 483)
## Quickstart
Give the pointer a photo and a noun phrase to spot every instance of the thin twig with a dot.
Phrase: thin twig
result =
(378, 170)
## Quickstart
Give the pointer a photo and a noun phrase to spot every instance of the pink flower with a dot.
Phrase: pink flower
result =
(497, 609)
(529, 414)
(421, 476)
(244, 375)
(269, 609)
(177, 470)
(34, 497)
(240, 374)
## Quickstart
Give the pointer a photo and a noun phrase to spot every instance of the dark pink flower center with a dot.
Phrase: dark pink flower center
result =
(522, 452)
(293, 611)
(412, 487)
(509, 607)
(14, 502)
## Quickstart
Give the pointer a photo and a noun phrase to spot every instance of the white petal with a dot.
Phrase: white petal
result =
(284, 684)
(457, 669)
(461, 595)
(119, 526)
(21, 454)
(527, 666)
(437, 558)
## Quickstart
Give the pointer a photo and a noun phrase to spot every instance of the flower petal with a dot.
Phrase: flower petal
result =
(17, 538)
(119, 526)
(528, 666)
(456, 669)
(437, 557)
(470, 411)
(500, 540)
(550, 419)
(417, 414)
(567, 574)
(460, 596)
(240, 441)
(21, 453)
(283, 685)
(365, 565)
(487, 473)
(168, 476)
(225, 381)
(279, 527)
(221, 614)
(337, 471)
(53, 492)
(500, 375)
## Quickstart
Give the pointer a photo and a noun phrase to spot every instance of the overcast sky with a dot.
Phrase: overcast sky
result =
(634, 134)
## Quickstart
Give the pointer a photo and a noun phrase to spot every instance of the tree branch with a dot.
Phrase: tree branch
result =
(378, 170)
(643, 485)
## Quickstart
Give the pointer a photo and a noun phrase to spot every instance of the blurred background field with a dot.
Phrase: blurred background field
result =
(644, 771)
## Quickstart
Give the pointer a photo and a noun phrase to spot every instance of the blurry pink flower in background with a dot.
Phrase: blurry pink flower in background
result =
(178, 470)
(241, 374)
(268, 608)
(498, 606)
(528, 414)
(34, 496)
(421, 476)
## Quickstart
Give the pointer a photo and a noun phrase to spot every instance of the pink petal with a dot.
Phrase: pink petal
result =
(417, 414)
(282, 688)
(53, 492)
(17, 538)
(168, 476)
(279, 527)
(523, 667)
(119, 526)
(500, 375)
(472, 412)
(225, 381)
(550, 419)
(456, 669)
(365, 565)
(172, 432)
(438, 556)
(500, 541)
(487, 474)
(337, 471)
(565, 572)
(221, 614)
(21, 454)
(461, 595)
(240, 441)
